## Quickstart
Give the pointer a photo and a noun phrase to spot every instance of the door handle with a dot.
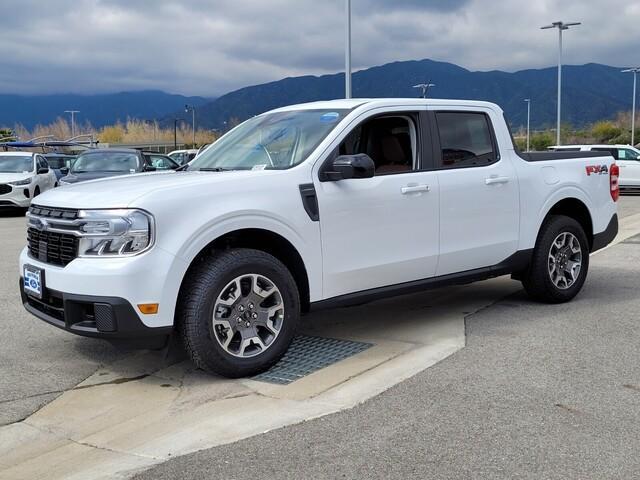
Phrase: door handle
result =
(494, 180)
(414, 189)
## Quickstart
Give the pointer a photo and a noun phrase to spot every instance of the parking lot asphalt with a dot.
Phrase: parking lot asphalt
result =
(540, 391)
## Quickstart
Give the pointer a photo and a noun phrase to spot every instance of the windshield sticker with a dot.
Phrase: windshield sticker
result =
(330, 117)
(132, 170)
(259, 167)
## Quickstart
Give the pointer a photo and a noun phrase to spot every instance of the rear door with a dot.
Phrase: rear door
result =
(383, 230)
(479, 195)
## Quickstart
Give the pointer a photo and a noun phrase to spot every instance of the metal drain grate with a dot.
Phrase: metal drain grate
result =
(634, 239)
(310, 354)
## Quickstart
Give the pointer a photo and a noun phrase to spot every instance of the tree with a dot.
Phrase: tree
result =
(605, 131)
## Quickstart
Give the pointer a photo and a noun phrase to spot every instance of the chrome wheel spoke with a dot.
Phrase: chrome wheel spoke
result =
(564, 260)
(233, 292)
(248, 315)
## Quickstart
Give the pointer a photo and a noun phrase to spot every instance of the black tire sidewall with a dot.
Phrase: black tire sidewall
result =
(245, 261)
(554, 227)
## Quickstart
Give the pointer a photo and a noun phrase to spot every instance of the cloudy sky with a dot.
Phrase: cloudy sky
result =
(209, 47)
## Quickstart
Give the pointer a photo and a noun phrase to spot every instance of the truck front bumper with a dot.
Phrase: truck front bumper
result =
(99, 297)
(110, 318)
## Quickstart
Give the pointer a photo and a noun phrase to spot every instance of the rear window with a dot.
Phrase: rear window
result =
(465, 139)
(106, 162)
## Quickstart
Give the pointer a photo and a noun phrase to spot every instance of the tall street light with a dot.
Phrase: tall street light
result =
(635, 71)
(347, 51)
(73, 120)
(528, 100)
(192, 109)
(425, 88)
(560, 26)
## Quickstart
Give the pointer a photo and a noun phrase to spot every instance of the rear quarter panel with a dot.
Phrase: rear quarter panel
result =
(545, 183)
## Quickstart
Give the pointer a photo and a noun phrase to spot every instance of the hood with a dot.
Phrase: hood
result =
(123, 191)
(84, 176)
(14, 177)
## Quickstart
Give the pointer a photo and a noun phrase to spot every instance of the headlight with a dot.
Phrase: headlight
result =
(26, 181)
(114, 233)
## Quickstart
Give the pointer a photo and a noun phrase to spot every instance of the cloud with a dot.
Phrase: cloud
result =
(208, 47)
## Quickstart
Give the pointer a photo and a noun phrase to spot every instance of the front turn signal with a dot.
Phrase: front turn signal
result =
(148, 308)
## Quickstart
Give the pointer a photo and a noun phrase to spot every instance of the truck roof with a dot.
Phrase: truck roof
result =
(386, 102)
(16, 153)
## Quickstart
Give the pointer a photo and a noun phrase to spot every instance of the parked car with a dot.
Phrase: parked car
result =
(23, 175)
(59, 162)
(626, 156)
(311, 206)
(183, 156)
(112, 162)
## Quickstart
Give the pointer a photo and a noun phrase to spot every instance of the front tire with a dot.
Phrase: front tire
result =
(238, 312)
(560, 261)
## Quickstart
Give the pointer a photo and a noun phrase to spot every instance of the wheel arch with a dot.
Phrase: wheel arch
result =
(573, 208)
(266, 241)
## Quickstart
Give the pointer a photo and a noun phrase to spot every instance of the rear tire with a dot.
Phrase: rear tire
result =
(238, 312)
(560, 261)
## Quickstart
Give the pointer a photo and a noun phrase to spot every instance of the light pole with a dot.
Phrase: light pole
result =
(175, 133)
(528, 100)
(425, 88)
(635, 71)
(191, 108)
(347, 51)
(73, 120)
(560, 26)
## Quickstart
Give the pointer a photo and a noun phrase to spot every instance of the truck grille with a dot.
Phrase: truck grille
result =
(5, 189)
(51, 247)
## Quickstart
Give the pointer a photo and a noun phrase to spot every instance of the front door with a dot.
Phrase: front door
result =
(383, 230)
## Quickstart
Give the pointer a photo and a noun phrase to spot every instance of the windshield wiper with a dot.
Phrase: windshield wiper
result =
(214, 169)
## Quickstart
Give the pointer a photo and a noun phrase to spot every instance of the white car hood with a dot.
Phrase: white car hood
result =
(123, 191)
(14, 177)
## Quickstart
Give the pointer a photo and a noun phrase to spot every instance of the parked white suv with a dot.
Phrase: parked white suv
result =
(310, 206)
(626, 156)
(23, 175)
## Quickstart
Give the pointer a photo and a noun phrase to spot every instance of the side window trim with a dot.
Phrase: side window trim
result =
(414, 116)
(435, 133)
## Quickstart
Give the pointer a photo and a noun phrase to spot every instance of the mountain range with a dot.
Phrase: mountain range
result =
(591, 92)
(99, 110)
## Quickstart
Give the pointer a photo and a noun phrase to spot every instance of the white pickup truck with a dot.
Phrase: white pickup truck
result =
(308, 206)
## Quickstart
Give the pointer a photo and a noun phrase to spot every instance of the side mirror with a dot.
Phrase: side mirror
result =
(64, 170)
(348, 166)
(150, 168)
(43, 170)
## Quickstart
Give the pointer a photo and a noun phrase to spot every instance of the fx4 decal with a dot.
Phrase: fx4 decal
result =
(597, 170)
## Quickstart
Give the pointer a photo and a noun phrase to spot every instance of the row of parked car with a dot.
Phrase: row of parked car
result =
(24, 174)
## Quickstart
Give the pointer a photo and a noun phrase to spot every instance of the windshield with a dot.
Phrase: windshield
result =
(16, 164)
(273, 141)
(105, 162)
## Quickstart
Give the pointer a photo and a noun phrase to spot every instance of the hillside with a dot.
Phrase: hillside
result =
(98, 109)
(591, 92)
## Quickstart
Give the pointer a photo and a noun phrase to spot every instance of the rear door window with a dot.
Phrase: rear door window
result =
(466, 139)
